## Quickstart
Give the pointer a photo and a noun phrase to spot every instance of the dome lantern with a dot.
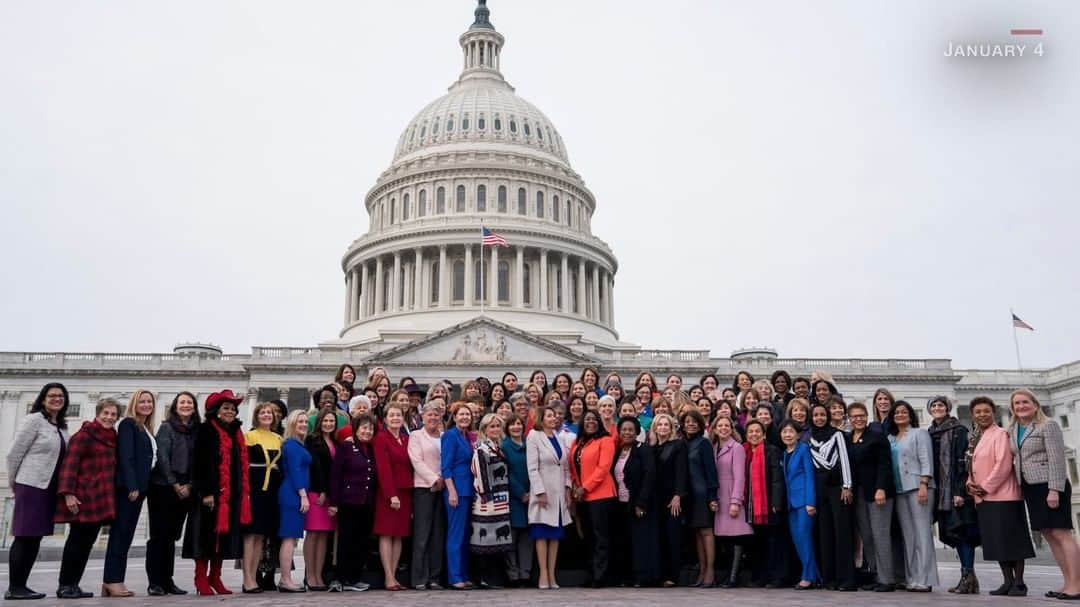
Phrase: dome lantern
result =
(482, 48)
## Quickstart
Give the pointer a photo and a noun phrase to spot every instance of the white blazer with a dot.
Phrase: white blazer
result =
(548, 474)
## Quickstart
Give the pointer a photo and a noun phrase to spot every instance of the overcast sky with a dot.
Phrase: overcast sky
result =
(815, 177)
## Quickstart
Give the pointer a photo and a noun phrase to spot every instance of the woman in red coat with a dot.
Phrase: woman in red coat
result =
(393, 494)
(87, 493)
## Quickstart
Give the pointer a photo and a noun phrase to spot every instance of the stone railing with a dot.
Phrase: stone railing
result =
(659, 356)
(838, 365)
(117, 359)
(307, 354)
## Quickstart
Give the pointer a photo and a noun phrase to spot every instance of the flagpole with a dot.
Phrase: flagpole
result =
(1016, 340)
(482, 298)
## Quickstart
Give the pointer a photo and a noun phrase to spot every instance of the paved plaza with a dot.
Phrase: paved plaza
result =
(1040, 578)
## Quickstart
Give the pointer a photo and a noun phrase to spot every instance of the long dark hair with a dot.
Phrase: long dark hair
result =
(195, 419)
(585, 437)
(913, 418)
(39, 403)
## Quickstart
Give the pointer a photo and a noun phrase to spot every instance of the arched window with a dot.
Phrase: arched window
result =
(440, 201)
(554, 207)
(435, 282)
(423, 131)
(521, 202)
(421, 203)
(481, 123)
(412, 134)
(435, 127)
(393, 210)
(540, 205)
(498, 123)
(459, 281)
(502, 199)
(540, 132)
(504, 282)
(388, 274)
(450, 124)
(568, 214)
(481, 199)
(460, 206)
(513, 126)
(465, 122)
(405, 207)
(526, 285)
(528, 131)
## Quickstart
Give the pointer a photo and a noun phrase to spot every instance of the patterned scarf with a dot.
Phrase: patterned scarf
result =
(225, 475)
(945, 449)
(759, 487)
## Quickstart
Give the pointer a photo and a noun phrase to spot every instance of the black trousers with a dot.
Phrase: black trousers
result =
(670, 544)
(354, 533)
(80, 541)
(167, 515)
(834, 533)
(596, 519)
(21, 558)
(768, 554)
(121, 534)
(633, 546)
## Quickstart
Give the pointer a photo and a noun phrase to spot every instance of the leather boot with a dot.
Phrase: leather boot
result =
(959, 584)
(973, 586)
(736, 561)
(202, 583)
(215, 578)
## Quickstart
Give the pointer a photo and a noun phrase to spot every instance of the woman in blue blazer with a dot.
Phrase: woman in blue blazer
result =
(802, 500)
(292, 497)
(136, 453)
(456, 458)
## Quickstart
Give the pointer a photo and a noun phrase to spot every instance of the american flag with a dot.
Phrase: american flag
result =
(1019, 324)
(491, 239)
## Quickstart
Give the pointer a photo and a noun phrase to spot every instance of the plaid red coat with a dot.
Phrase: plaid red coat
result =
(89, 473)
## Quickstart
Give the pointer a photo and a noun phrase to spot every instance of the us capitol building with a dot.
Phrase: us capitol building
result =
(418, 301)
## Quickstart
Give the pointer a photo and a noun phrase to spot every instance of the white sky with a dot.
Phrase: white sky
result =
(816, 177)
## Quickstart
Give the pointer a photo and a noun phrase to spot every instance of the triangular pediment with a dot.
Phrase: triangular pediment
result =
(481, 341)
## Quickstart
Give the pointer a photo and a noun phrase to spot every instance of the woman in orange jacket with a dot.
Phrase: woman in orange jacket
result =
(591, 457)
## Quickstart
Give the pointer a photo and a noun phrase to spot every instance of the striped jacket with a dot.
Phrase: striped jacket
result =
(1040, 457)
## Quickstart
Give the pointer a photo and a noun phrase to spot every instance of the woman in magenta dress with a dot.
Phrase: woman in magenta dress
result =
(393, 493)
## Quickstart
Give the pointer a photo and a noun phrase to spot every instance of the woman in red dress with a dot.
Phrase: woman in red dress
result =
(393, 494)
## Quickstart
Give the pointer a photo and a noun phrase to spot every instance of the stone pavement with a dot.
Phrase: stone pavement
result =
(1040, 578)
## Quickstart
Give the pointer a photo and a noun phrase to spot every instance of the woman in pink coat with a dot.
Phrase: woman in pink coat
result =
(730, 519)
(998, 501)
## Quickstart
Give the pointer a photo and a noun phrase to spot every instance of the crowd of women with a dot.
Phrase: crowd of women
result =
(778, 482)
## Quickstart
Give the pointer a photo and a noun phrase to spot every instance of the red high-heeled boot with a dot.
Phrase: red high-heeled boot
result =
(215, 578)
(202, 583)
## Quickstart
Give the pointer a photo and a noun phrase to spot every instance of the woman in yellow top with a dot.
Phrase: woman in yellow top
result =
(264, 457)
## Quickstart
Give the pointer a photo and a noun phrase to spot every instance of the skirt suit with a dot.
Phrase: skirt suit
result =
(393, 478)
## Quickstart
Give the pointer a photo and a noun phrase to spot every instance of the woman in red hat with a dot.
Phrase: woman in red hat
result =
(223, 489)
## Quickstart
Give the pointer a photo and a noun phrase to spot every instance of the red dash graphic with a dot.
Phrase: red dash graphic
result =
(1026, 32)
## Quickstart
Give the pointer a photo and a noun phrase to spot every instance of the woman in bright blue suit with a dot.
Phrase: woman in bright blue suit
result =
(456, 456)
(802, 499)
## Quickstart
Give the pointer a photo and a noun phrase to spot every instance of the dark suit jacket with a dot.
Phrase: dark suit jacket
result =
(671, 471)
(871, 463)
(639, 474)
(134, 455)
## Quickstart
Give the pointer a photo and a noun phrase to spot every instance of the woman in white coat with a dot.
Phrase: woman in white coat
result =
(549, 485)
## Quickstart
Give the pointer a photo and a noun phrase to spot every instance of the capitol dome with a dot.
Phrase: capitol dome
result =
(479, 155)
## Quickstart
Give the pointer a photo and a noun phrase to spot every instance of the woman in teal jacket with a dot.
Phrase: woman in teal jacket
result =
(802, 500)
(518, 560)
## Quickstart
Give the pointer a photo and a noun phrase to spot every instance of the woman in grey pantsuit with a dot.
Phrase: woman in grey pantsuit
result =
(429, 515)
(875, 496)
(913, 467)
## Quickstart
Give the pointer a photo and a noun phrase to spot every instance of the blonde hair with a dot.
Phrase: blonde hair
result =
(652, 427)
(679, 401)
(130, 411)
(763, 384)
(290, 424)
(1040, 417)
(489, 419)
(802, 402)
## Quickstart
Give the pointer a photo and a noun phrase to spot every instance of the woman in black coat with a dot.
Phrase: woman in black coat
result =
(223, 491)
(669, 454)
(766, 505)
(875, 490)
(634, 527)
(958, 525)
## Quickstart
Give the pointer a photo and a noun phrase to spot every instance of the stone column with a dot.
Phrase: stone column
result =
(418, 269)
(469, 276)
(442, 276)
(407, 286)
(594, 308)
(582, 302)
(543, 299)
(395, 284)
(611, 300)
(565, 283)
(601, 303)
(378, 285)
(519, 278)
(493, 282)
(348, 298)
(365, 291)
